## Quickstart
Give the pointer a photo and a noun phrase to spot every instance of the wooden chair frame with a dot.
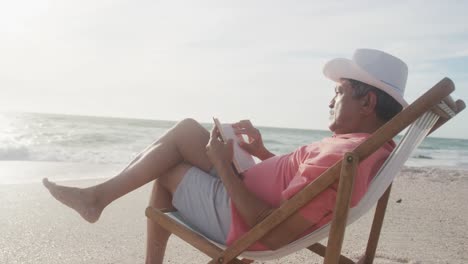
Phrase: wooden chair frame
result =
(344, 171)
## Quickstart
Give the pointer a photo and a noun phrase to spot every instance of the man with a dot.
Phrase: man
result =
(183, 161)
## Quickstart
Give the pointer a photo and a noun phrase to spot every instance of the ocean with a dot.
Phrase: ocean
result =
(95, 143)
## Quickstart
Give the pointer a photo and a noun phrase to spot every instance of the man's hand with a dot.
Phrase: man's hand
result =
(255, 145)
(220, 153)
(251, 208)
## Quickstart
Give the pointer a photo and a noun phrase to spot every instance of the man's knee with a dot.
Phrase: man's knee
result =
(171, 179)
(188, 123)
(189, 128)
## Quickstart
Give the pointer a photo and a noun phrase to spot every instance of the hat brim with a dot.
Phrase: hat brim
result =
(337, 69)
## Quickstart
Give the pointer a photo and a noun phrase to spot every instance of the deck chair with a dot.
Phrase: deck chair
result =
(420, 118)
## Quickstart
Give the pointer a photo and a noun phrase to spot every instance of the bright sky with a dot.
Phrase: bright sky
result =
(232, 59)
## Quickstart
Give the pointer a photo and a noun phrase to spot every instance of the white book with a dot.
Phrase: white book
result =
(242, 160)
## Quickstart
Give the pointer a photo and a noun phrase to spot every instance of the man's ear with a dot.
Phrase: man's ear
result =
(368, 103)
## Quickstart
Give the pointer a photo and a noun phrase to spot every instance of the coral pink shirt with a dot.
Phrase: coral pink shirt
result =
(281, 177)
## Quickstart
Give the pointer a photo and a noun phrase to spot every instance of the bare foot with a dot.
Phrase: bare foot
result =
(81, 200)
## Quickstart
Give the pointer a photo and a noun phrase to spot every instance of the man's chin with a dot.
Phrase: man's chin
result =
(337, 131)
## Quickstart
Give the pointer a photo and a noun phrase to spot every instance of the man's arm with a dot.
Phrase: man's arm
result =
(252, 209)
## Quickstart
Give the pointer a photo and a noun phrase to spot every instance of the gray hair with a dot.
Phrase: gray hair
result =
(386, 107)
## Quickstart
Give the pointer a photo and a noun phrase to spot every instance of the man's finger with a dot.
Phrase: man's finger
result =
(240, 130)
(214, 132)
(244, 123)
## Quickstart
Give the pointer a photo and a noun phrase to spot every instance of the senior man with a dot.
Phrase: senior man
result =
(193, 173)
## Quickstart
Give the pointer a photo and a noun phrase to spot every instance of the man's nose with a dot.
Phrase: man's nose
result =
(332, 103)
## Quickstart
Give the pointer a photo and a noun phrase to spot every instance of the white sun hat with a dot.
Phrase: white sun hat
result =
(374, 67)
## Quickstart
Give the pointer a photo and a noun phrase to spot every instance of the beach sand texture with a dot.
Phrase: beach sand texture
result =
(429, 225)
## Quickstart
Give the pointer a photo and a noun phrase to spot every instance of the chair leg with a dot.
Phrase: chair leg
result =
(320, 250)
(376, 228)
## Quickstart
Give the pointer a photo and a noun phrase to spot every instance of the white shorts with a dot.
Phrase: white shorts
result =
(203, 202)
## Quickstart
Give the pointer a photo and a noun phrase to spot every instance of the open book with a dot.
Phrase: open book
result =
(242, 160)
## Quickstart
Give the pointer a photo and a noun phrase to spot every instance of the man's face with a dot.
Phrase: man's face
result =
(344, 110)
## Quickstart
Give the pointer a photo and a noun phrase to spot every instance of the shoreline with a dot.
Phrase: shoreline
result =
(26, 172)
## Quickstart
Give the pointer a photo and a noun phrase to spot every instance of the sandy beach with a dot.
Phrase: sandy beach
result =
(426, 222)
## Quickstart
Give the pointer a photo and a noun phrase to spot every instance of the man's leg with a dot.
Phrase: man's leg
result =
(185, 142)
(156, 237)
(161, 198)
